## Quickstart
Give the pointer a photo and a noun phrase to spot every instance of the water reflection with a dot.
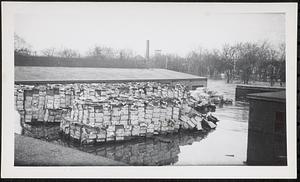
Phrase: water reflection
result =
(44, 131)
(157, 150)
(153, 151)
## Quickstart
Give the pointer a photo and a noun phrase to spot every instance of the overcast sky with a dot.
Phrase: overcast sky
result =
(173, 28)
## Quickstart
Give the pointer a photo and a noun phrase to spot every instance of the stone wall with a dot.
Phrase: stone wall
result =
(102, 112)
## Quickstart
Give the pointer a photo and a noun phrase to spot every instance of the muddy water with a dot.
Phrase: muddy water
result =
(226, 145)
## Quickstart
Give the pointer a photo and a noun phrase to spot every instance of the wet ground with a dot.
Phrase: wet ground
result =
(34, 152)
(226, 145)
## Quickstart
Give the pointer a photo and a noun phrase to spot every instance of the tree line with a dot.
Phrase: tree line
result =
(244, 61)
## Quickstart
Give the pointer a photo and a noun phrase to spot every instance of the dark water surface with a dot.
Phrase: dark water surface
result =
(226, 145)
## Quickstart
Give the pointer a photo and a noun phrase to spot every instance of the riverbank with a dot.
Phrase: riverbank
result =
(34, 152)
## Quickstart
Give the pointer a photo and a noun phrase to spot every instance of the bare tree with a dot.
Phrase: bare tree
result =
(126, 54)
(49, 52)
(21, 47)
(68, 53)
(195, 61)
(247, 58)
(228, 57)
(282, 62)
(95, 52)
(102, 52)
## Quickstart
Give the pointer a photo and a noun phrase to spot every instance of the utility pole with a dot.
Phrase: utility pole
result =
(234, 66)
(147, 50)
(147, 54)
(189, 68)
(166, 62)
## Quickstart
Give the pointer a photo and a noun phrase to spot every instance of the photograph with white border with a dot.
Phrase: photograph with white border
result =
(149, 90)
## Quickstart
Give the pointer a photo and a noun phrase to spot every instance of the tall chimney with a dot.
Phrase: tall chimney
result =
(147, 50)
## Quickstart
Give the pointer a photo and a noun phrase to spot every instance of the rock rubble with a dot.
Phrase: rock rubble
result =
(101, 112)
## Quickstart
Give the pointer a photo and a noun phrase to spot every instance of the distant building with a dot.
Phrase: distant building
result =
(157, 53)
(267, 129)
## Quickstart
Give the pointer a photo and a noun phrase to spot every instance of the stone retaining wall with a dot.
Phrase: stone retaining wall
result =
(108, 111)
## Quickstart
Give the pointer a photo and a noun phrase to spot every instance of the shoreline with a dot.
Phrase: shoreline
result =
(34, 152)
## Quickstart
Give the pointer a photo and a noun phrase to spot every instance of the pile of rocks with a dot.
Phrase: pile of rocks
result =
(205, 96)
(42, 103)
(90, 122)
(98, 112)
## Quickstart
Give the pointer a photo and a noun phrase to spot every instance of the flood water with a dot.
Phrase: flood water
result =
(226, 145)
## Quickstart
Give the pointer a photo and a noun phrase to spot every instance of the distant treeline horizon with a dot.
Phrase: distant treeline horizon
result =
(244, 61)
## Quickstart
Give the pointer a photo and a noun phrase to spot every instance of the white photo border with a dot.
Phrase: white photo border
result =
(7, 150)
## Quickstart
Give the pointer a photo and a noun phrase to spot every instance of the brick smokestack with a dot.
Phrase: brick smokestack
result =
(147, 50)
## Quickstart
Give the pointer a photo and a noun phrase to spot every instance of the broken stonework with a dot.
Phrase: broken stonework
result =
(98, 112)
